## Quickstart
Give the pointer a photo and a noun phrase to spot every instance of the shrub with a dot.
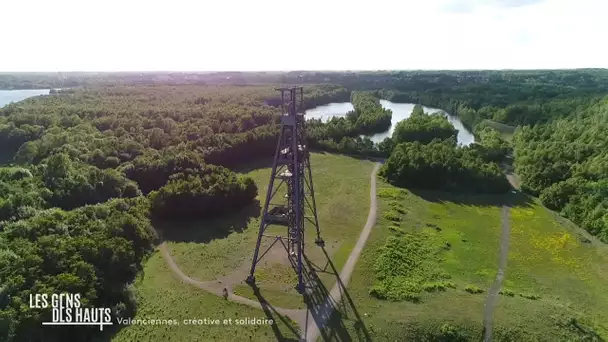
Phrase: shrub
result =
(449, 332)
(438, 286)
(438, 332)
(396, 229)
(507, 292)
(395, 204)
(392, 193)
(403, 291)
(531, 296)
(392, 215)
(473, 289)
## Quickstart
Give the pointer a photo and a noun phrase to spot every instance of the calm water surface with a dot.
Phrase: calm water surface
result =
(401, 111)
(8, 96)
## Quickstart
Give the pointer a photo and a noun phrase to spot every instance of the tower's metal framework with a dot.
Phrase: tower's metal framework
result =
(290, 200)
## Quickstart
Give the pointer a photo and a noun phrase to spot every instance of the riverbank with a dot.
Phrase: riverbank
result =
(401, 111)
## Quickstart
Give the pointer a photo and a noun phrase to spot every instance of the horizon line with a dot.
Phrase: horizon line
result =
(285, 71)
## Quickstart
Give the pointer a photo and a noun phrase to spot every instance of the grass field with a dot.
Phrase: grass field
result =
(434, 257)
(505, 130)
(226, 253)
(431, 256)
(162, 296)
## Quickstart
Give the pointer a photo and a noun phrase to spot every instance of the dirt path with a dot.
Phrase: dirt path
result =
(335, 295)
(310, 327)
(514, 180)
(212, 287)
(496, 286)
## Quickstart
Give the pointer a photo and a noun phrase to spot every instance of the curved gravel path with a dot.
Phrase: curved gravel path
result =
(303, 317)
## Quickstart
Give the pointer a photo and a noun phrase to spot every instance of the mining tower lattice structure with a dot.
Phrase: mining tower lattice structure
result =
(290, 199)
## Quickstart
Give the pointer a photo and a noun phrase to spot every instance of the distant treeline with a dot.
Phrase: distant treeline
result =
(517, 104)
(501, 88)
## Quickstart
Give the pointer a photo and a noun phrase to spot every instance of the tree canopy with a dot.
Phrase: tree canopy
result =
(94, 250)
(565, 162)
(441, 165)
(423, 127)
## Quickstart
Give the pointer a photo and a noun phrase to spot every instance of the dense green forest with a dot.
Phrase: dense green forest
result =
(86, 170)
(440, 165)
(566, 163)
(423, 154)
(94, 250)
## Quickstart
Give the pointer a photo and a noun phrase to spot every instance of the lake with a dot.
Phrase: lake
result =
(8, 96)
(401, 111)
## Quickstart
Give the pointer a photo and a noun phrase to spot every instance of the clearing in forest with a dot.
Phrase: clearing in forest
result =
(220, 250)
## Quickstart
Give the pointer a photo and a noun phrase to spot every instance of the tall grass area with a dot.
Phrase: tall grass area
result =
(162, 296)
(432, 257)
(558, 273)
(342, 197)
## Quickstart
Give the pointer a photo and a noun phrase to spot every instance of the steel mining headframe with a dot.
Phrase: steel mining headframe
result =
(290, 200)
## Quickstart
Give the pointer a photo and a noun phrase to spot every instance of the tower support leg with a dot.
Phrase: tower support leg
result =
(292, 161)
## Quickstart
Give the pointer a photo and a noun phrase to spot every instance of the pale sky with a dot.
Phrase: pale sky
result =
(198, 35)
